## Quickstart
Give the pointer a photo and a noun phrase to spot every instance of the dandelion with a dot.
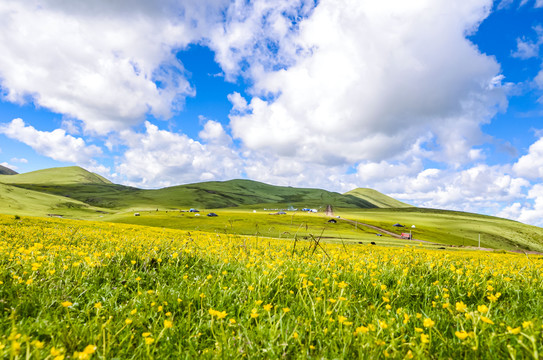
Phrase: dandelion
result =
(67, 303)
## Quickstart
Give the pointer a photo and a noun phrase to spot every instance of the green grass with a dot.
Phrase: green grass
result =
(76, 193)
(376, 198)
(83, 290)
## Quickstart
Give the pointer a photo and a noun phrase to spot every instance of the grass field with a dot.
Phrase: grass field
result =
(82, 290)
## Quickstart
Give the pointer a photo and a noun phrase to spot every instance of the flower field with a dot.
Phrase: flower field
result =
(73, 289)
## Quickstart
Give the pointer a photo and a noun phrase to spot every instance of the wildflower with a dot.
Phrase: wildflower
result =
(461, 307)
(424, 338)
(149, 340)
(341, 319)
(254, 313)
(267, 307)
(98, 305)
(38, 344)
(90, 349)
(133, 311)
(128, 321)
(526, 324)
(67, 303)
(146, 334)
(487, 320)
(514, 331)
(286, 310)
(295, 335)
(232, 321)
(168, 324)
(251, 288)
(483, 309)
(361, 330)
(342, 285)
(461, 334)
(428, 323)
(494, 297)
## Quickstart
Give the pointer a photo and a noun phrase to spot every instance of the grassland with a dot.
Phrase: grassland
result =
(78, 194)
(82, 290)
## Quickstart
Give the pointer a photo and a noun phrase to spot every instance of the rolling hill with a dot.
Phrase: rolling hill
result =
(376, 198)
(74, 192)
(6, 171)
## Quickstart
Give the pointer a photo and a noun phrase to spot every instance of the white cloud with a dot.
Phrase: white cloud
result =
(372, 82)
(159, 158)
(99, 61)
(214, 133)
(20, 160)
(55, 144)
(531, 165)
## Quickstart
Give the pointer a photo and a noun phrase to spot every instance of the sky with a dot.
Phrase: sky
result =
(437, 103)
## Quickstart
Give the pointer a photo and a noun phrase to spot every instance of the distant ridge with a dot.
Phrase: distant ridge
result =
(7, 171)
(376, 198)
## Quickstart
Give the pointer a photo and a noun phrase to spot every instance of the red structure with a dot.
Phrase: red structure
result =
(406, 236)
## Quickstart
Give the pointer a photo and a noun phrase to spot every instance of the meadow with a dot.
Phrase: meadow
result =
(82, 290)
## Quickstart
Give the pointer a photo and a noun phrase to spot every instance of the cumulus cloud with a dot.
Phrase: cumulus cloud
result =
(531, 165)
(55, 144)
(372, 82)
(105, 63)
(159, 158)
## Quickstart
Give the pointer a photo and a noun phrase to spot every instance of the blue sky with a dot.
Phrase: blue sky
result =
(436, 103)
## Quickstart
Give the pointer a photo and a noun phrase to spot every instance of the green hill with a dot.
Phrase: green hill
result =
(6, 171)
(376, 198)
(55, 176)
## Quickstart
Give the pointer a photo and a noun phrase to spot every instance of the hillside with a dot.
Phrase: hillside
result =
(55, 176)
(6, 171)
(376, 198)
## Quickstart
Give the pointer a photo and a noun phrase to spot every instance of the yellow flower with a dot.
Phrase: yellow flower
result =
(483, 309)
(55, 352)
(267, 307)
(149, 340)
(98, 305)
(461, 307)
(526, 324)
(361, 330)
(232, 321)
(286, 310)
(168, 324)
(342, 285)
(487, 320)
(514, 331)
(90, 349)
(341, 319)
(251, 288)
(295, 335)
(461, 334)
(67, 303)
(38, 344)
(146, 334)
(254, 313)
(128, 321)
(418, 329)
(133, 311)
(424, 338)
(428, 323)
